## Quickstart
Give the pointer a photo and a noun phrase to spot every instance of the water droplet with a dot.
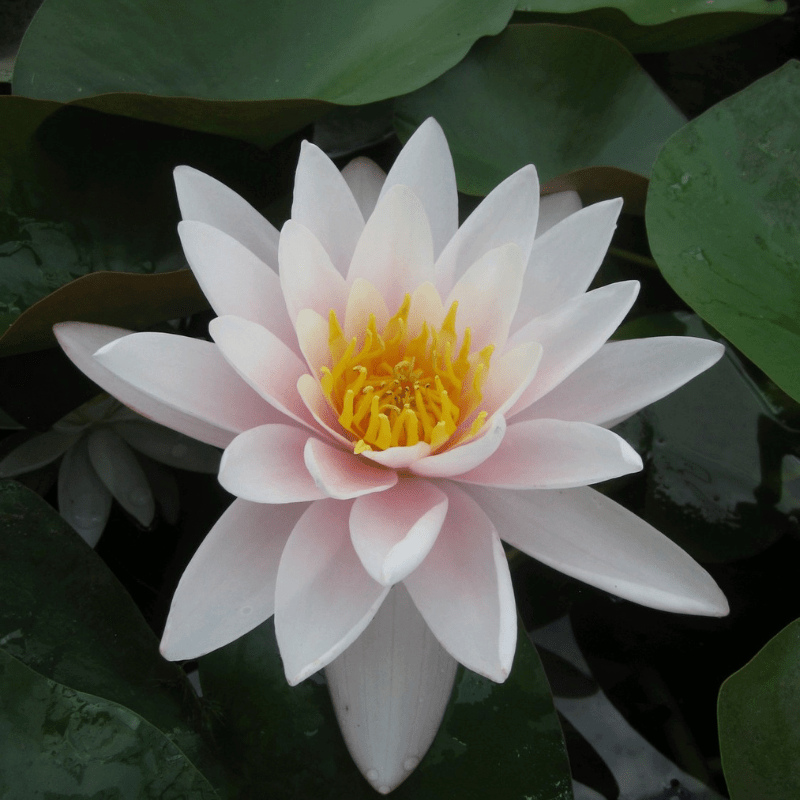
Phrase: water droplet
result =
(245, 610)
(410, 763)
(685, 178)
(372, 775)
(139, 497)
(180, 450)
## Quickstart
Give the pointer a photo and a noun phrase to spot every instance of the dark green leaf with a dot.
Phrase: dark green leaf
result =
(287, 743)
(63, 744)
(560, 98)
(723, 212)
(758, 710)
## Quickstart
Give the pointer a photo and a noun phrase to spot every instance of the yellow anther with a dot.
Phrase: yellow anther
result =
(384, 439)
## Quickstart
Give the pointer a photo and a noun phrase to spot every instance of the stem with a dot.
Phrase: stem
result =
(635, 258)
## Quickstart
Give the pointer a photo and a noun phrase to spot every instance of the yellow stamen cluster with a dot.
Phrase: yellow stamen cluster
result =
(395, 391)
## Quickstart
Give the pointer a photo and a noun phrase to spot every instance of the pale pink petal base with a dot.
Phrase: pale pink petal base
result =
(342, 475)
(390, 689)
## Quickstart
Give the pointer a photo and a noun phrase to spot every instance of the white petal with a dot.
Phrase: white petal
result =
(623, 377)
(324, 597)
(555, 207)
(169, 447)
(425, 166)
(507, 214)
(365, 179)
(463, 590)
(342, 475)
(509, 376)
(364, 301)
(81, 340)
(83, 500)
(204, 199)
(393, 531)
(390, 689)
(265, 465)
(323, 203)
(552, 454)
(564, 260)
(398, 457)
(120, 471)
(584, 534)
(234, 280)
(40, 449)
(312, 336)
(571, 334)
(317, 404)
(395, 252)
(229, 586)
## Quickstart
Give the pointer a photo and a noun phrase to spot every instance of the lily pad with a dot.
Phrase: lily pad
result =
(558, 97)
(723, 211)
(758, 710)
(286, 741)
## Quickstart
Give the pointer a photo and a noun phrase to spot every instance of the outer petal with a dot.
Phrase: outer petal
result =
(390, 689)
(40, 449)
(393, 531)
(426, 167)
(584, 534)
(265, 465)
(324, 204)
(323, 598)
(565, 259)
(169, 447)
(83, 500)
(120, 471)
(395, 252)
(555, 207)
(572, 333)
(507, 214)
(463, 590)
(343, 475)
(234, 280)
(624, 377)
(365, 179)
(229, 586)
(204, 199)
(187, 405)
(551, 454)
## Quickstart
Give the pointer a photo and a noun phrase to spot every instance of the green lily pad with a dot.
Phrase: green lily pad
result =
(272, 67)
(723, 211)
(65, 616)
(59, 743)
(286, 741)
(758, 709)
(560, 98)
(656, 25)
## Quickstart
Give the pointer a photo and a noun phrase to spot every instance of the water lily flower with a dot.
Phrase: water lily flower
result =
(396, 395)
(98, 444)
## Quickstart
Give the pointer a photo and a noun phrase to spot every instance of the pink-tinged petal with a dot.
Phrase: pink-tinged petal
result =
(80, 340)
(229, 586)
(324, 598)
(390, 689)
(395, 252)
(308, 277)
(342, 475)
(582, 533)
(311, 393)
(564, 260)
(507, 214)
(265, 465)
(365, 179)
(509, 375)
(264, 362)
(234, 280)
(182, 383)
(623, 377)
(399, 457)
(204, 199)
(552, 454)
(393, 531)
(573, 333)
(168, 446)
(555, 207)
(83, 499)
(488, 294)
(312, 336)
(39, 450)
(426, 167)
(323, 203)
(120, 471)
(463, 590)
(363, 302)
(426, 308)
(464, 457)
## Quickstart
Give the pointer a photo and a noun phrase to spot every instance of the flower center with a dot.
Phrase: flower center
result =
(396, 390)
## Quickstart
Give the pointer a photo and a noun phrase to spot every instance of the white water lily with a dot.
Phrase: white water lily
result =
(97, 444)
(397, 398)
